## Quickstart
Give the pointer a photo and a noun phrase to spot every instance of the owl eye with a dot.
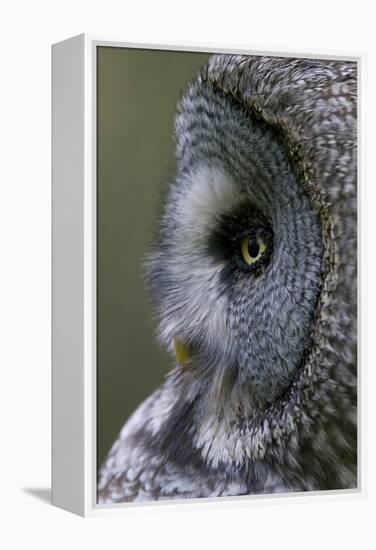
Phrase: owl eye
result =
(252, 248)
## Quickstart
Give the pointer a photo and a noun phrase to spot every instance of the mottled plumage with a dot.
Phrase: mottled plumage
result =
(266, 401)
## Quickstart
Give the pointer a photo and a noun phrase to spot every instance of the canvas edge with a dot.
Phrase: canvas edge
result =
(68, 316)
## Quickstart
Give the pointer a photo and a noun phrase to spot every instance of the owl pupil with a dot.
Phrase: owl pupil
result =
(253, 247)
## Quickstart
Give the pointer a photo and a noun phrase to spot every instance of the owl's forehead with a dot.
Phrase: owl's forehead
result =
(224, 157)
(206, 193)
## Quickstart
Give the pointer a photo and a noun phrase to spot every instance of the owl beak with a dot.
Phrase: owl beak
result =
(181, 352)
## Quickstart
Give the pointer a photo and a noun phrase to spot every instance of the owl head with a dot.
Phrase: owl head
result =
(250, 273)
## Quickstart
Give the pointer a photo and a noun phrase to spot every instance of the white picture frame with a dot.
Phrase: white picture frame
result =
(74, 465)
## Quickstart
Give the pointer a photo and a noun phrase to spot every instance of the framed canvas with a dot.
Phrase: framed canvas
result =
(205, 254)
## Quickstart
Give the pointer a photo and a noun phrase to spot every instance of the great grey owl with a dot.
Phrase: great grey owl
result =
(253, 278)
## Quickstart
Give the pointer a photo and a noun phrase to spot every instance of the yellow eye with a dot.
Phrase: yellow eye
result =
(252, 248)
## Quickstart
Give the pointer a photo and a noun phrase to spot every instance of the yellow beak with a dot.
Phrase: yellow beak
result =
(181, 351)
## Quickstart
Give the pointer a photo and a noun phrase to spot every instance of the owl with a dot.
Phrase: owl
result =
(253, 279)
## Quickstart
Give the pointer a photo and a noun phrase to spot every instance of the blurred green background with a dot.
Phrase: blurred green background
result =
(137, 92)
